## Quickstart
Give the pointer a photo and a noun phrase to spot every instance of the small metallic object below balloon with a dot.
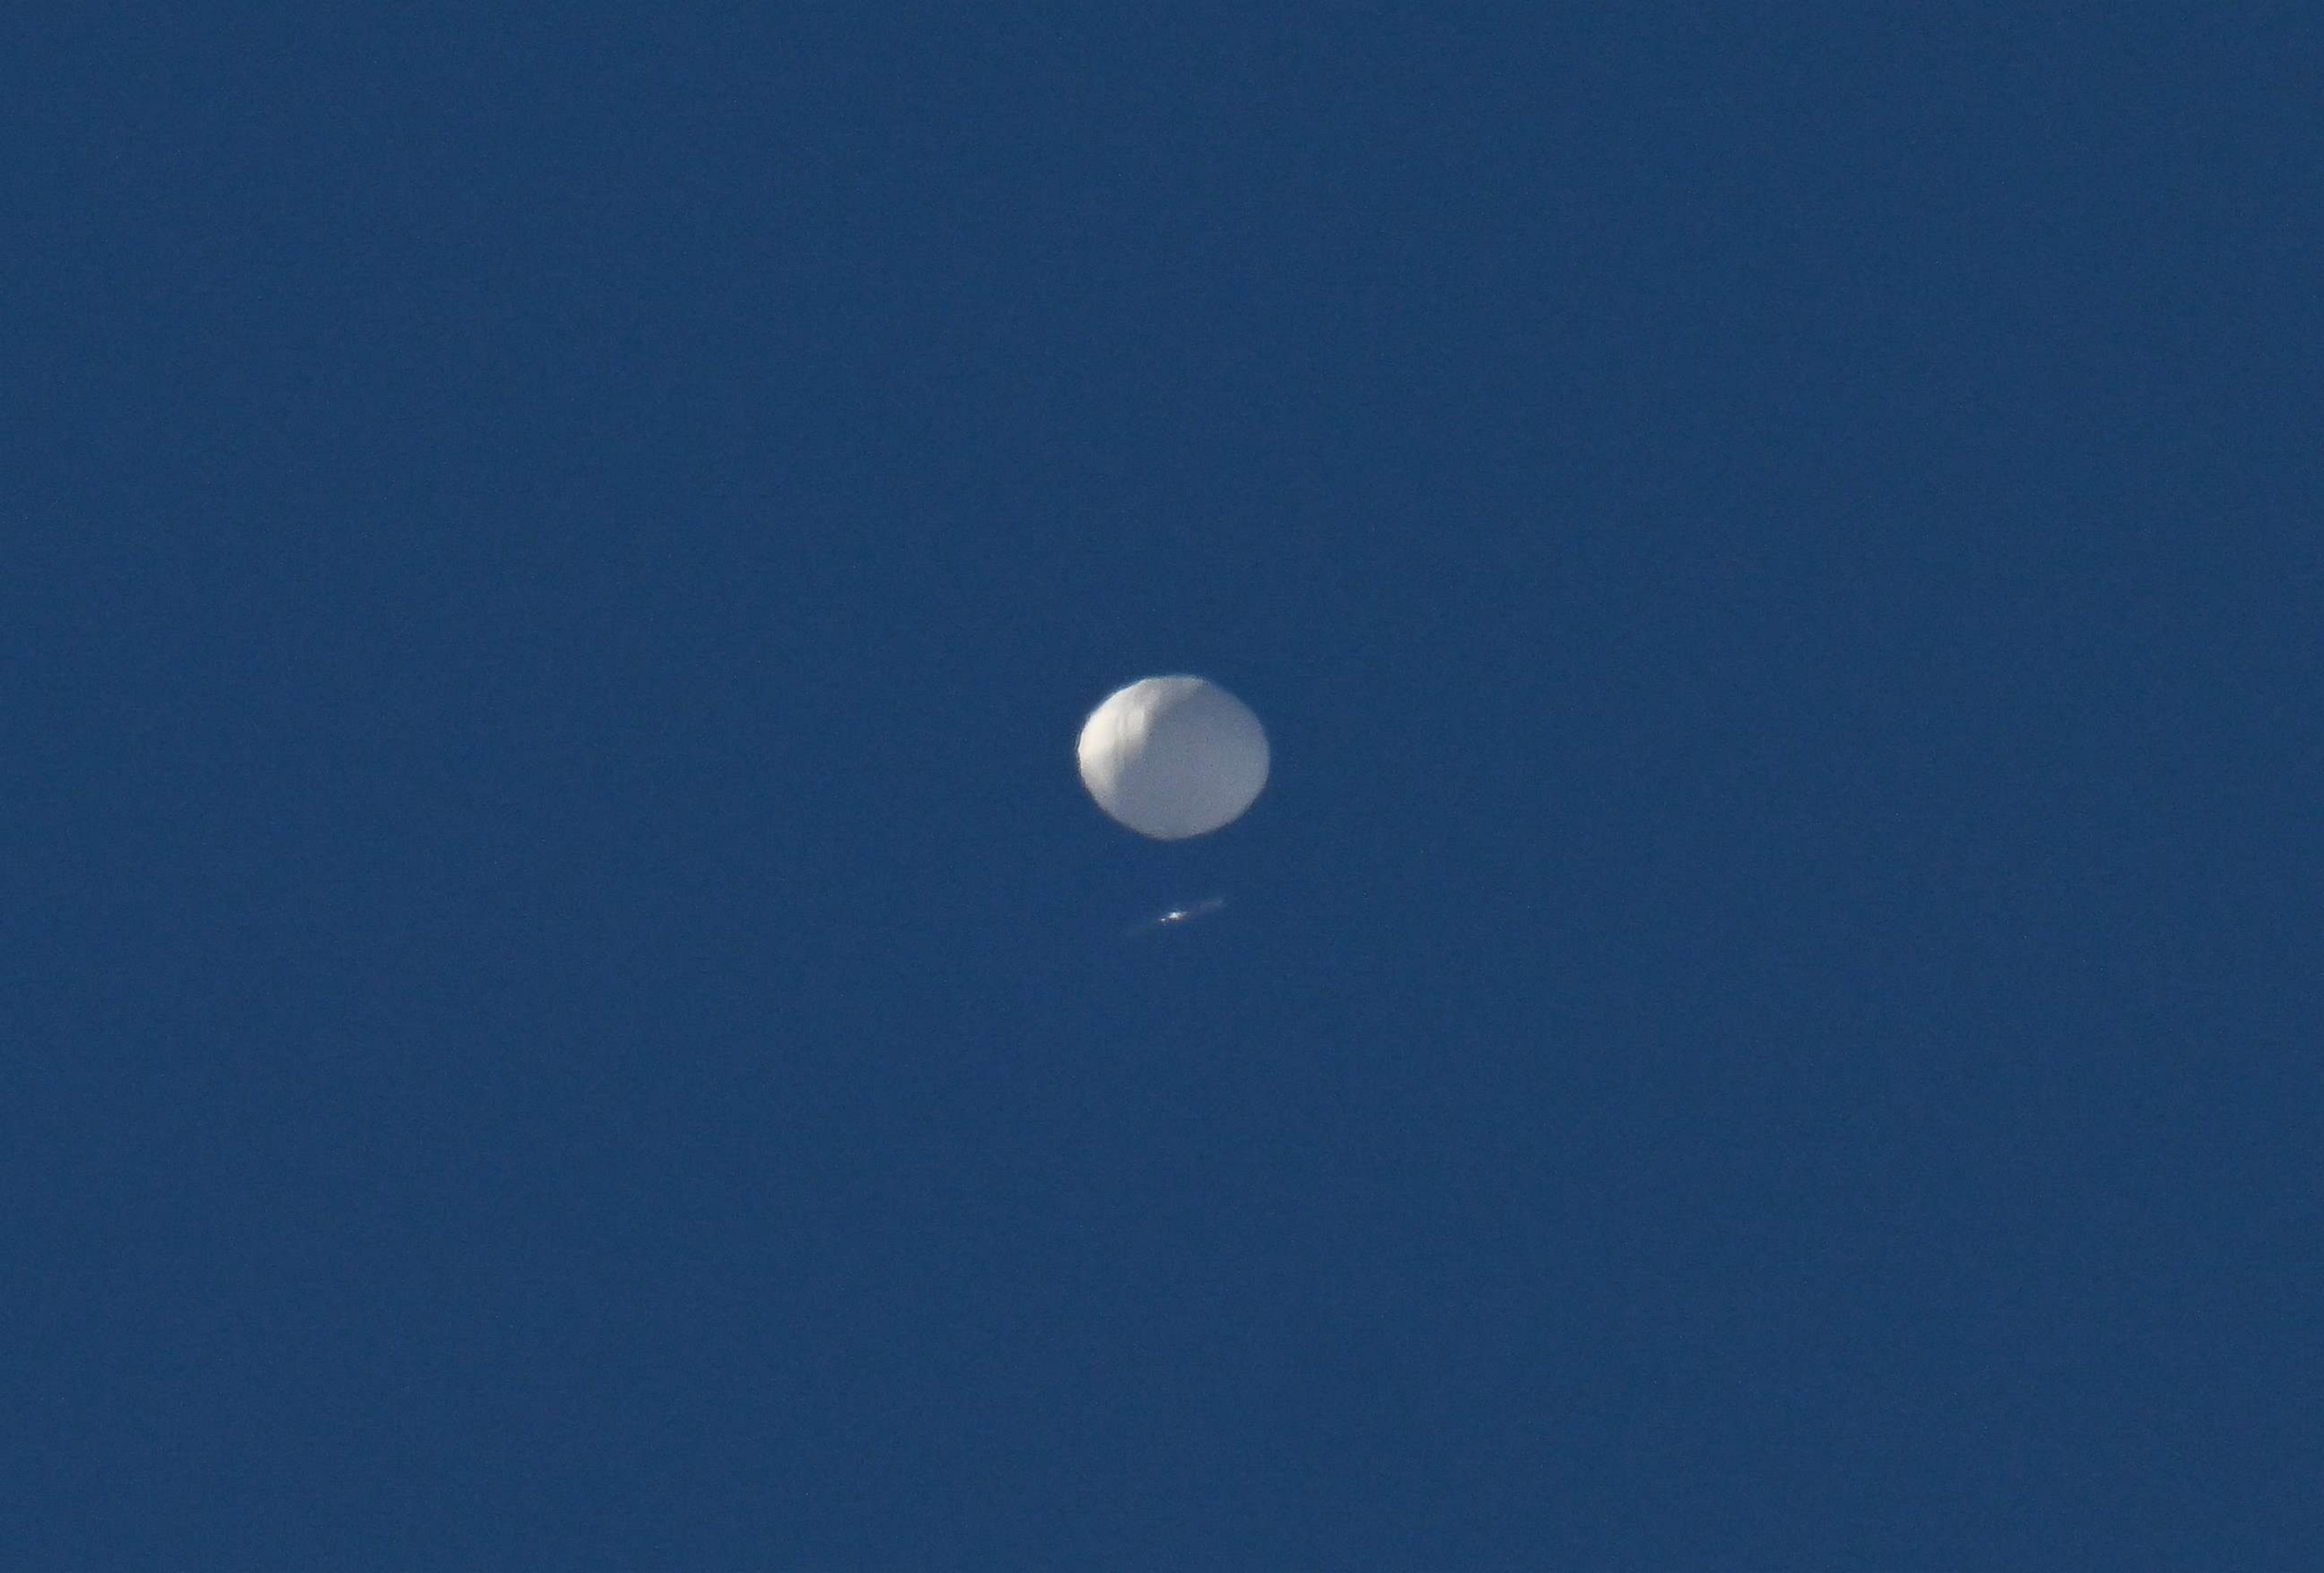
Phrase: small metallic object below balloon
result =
(1179, 917)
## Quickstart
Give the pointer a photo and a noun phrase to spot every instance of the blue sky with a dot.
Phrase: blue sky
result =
(561, 1003)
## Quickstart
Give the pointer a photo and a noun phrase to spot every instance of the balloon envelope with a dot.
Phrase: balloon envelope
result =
(1173, 756)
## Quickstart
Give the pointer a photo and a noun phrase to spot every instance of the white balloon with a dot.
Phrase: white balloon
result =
(1173, 756)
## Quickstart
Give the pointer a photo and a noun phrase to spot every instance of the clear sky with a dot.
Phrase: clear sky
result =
(561, 1005)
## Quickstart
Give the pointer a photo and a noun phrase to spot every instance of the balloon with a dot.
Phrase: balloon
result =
(1173, 756)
